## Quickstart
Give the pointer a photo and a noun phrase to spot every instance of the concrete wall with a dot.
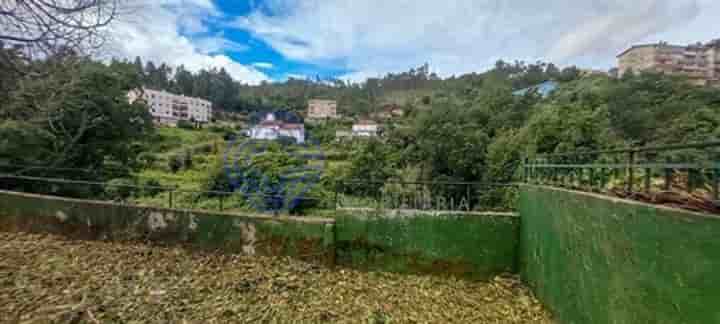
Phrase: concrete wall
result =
(473, 245)
(306, 238)
(594, 259)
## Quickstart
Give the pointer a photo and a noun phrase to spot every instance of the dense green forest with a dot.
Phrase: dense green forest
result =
(355, 99)
(72, 112)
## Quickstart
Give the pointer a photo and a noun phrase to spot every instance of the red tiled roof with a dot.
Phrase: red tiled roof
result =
(269, 123)
(365, 122)
(292, 126)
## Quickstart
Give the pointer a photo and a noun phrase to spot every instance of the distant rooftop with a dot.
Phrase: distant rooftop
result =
(365, 122)
(714, 42)
(544, 89)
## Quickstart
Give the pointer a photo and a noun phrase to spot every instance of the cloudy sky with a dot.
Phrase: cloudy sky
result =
(272, 40)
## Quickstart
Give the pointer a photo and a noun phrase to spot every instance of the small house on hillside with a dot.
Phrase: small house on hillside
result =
(272, 129)
(543, 89)
(365, 128)
(388, 111)
(322, 109)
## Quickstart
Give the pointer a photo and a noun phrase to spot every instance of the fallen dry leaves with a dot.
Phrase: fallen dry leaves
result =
(49, 279)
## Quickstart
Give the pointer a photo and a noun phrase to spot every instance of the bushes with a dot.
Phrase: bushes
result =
(286, 141)
(181, 161)
(184, 124)
(147, 160)
(175, 163)
(151, 187)
(187, 160)
(120, 189)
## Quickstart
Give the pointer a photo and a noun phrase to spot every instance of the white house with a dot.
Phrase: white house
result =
(272, 129)
(365, 128)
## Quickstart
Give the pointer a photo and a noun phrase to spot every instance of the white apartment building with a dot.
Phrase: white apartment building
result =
(699, 62)
(167, 108)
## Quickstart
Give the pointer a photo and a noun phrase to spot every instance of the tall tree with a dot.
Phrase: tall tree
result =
(77, 116)
(184, 81)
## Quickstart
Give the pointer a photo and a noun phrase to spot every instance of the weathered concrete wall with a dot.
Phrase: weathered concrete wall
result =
(308, 238)
(474, 245)
(594, 259)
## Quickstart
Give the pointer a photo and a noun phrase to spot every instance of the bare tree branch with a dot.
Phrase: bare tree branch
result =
(44, 28)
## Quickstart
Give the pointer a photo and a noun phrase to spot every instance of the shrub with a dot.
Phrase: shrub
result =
(187, 160)
(184, 124)
(229, 136)
(120, 189)
(151, 188)
(147, 160)
(217, 129)
(286, 140)
(205, 148)
(175, 163)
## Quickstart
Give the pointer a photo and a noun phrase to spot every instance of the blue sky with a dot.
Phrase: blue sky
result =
(269, 60)
(271, 40)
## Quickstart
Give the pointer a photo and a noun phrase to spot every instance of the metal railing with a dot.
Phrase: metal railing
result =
(692, 169)
(120, 185)
(425, 195)
(165, 196)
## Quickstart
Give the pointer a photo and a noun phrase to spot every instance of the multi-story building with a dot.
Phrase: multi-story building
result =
(167, 108)
(699, 62)
(322, 109)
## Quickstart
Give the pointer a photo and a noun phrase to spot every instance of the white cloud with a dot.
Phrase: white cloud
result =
(263, 65)
(217, 44)
(361, 76)
(153, 32)
(468, 35)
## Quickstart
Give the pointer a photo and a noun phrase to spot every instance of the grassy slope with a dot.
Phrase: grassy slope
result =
(176, 141)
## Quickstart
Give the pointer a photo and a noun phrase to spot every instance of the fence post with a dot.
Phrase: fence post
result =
(335, 199)
(690, 180)
(222, 197)
(715, 181)
(170, 198)
(668, 175)
(467, 191)
(630, 173)
(713, 177)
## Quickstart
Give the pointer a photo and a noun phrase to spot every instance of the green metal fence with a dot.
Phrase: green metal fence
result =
(690, 169)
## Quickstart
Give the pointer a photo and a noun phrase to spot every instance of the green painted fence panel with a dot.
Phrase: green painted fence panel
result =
(472, 245)
(307, 238)
(594, 259)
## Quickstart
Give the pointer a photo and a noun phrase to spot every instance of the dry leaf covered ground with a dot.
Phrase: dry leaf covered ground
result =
(49, 279)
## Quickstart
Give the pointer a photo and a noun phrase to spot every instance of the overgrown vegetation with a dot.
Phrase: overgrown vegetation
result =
(470, 128)
(90, 281)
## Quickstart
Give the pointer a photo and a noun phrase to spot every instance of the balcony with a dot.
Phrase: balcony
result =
(695, 74)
